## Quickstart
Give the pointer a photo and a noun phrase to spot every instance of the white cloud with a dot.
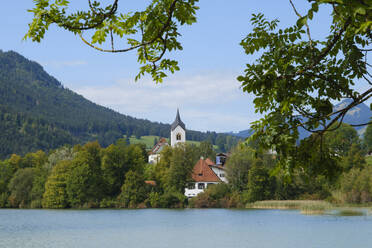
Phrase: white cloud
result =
(67, 63)
(207, 102)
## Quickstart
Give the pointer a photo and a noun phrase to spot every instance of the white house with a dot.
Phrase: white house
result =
(205, 173)
(154, 155)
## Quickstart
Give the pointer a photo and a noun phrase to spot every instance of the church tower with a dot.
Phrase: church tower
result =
(178, 131)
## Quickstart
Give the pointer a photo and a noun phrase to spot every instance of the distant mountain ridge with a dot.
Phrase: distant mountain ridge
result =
(37, 112)
(358, 115)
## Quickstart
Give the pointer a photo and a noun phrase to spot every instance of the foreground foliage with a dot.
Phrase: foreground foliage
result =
(297, 77)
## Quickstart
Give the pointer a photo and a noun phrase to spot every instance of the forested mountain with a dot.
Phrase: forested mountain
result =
(37, 112)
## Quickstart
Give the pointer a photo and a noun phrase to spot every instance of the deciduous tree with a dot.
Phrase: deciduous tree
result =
(55, 195)
(296, 77)
(20, 187)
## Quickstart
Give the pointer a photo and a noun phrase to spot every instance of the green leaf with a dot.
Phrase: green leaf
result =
(310, 14)
(301, 22)
(360, 10)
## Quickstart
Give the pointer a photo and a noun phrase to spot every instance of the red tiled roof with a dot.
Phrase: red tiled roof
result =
(209, 161)
(203, 173)
(152, 183)
(162, 142)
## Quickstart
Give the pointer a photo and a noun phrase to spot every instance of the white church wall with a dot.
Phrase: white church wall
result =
(178, 130)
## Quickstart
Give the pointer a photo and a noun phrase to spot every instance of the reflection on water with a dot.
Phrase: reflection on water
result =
(152, 228)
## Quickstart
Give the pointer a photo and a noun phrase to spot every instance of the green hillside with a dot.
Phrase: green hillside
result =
(149, 141)
(37, 112)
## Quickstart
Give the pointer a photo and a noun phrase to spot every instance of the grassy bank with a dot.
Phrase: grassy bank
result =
(288, 204)
(313, 207)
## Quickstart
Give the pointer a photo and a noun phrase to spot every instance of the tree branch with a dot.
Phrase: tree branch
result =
(306, 24)
(102, 17)
(143, 44)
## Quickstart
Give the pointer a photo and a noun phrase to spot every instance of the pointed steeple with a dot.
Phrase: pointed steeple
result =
(178, 122)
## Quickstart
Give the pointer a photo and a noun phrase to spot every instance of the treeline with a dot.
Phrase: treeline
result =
(37, 112)
(90, 176)
(332, 168)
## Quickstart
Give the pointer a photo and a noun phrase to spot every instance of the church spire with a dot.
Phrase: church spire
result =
(177, 122)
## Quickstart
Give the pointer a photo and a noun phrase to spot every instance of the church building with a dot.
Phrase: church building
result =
(177, 135)
(205, 171)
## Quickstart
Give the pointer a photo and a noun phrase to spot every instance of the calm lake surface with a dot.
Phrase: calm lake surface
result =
(181, 229)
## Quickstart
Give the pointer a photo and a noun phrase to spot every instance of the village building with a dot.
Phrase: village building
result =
(154, 155)
(177, 135)
(206, 173)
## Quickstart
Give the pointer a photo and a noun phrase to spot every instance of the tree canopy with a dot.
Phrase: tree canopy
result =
(297, 78)
(152, 32)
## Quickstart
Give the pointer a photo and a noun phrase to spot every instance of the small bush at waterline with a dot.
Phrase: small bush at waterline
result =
(351, 212)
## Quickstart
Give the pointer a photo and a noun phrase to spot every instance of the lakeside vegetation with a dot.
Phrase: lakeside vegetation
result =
(290, 204)
(314, 207)
(118, 176)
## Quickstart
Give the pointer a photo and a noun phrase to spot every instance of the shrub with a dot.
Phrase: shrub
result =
(36, 203)
(172, 199)
(260, 185)
(154, 200)
(108, 203)
(215, 196)
(356, 185)
(4, 200)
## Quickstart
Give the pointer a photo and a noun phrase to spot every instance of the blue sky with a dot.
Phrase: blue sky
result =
(205, 90)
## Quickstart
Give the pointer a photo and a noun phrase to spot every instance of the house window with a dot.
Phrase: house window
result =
(178, 136)
(200, 185)
(222, 175)
(191, 186)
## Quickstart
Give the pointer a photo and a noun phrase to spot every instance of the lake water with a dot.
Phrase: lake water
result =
(153, 228)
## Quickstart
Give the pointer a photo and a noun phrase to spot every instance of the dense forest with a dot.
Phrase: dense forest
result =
(37, 112)
(118, 176)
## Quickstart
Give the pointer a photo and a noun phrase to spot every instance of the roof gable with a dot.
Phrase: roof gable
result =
(203, 173)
